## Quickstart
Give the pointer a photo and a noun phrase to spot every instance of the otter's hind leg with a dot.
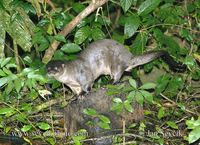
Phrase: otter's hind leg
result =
(116, 73)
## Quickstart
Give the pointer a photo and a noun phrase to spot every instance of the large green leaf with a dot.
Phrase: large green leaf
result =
(7, 79)
(103, 125)
(139, 44)
(133, 83)
(148, 96)
(97, 34)
(139, 98)
(194, 135)
(82, 34)
(104, 118)
(90, 112)
(43, 125)
(71, 48)
(5, 61)
(6, 110)
(26, 128)
(148, 6)
(18, 25)
(128, 106)
(148, 86)
(17, 30)
(131, 25)
(126, 4)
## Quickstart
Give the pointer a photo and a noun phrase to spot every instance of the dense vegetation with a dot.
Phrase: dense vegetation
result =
(171, 100)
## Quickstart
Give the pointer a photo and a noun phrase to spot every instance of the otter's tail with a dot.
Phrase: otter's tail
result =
(145, 58)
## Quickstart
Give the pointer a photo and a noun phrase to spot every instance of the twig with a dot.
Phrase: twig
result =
(51, 4)
(176, 104)
(47, 104)
(124, 127)
(16, 56)
(71, 25)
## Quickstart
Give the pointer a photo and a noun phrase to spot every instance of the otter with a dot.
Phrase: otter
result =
(103, 57)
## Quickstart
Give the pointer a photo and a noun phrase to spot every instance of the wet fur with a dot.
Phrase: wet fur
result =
(102, 57)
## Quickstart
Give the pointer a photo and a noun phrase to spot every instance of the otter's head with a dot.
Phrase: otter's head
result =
(55, 68)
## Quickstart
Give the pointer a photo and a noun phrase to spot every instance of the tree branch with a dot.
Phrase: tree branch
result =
(70, 26)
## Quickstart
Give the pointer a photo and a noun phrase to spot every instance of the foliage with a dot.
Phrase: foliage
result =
(27, 28)
(100, 120)
(138, 94)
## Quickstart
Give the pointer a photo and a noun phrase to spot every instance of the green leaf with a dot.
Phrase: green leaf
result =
(26, 71)
(172, 124)
(78, 136)
(147, 6)
(128, 106)
(104, 118)
(139, 43)
(82, 34)
(131, 96)
(162, 83)
(194, 135)
(7, 71)
(9, 87)
(2, 73)
(51, 140)
(60, 38)
(186, 34)
(139, 98)
(117, 100)
(148, 96)
(191, 124)
(3, 81)
(189, 61)
(131, 25)
(133, 125)
(117, 107)
(78, 7)
(103, 125)
(97, 34)
(174, 85)
(126, 4)
(43, 125)
(38, 77)
(11, 65)
(148, 86)
(28, 59)
(90, 112)
(26, 128)
(21, 118)
(71, 48)
(17, 28)
(5, 61)
(6, 111)
(133, 83)
(2, 6)
(18, 84)
(161, 113)
(43, 46)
